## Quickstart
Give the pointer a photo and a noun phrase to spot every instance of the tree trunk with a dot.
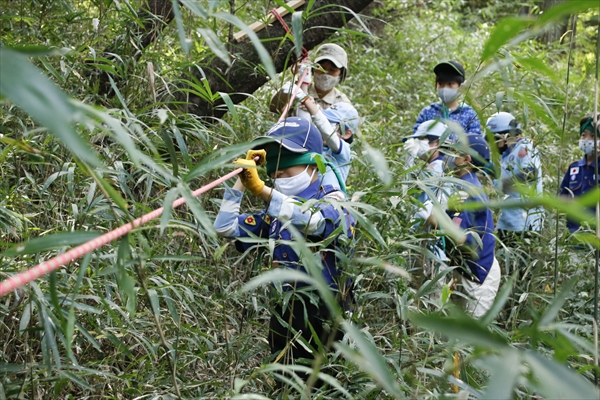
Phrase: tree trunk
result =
(156, 15)
(556, 31)
(245, 76)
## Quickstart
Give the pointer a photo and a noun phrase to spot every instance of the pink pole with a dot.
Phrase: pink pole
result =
(25, 277)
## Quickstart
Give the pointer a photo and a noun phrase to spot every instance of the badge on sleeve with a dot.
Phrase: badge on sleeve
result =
(574, 170)
(522, 152)
(250, 221)
(267, 219)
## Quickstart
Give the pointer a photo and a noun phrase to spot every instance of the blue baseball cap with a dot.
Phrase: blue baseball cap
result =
(296, 135)
(479, 144)
(343, 113)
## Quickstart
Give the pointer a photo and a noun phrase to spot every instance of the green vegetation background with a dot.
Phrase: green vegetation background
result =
(164, 312)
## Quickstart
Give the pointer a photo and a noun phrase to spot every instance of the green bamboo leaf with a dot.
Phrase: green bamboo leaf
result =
(197, 210)
(230, 106)
(462, 328)
(260, 49)
(297, 32)
(50, 242)
(195, 7)
(505, 371)
(154, 303)
(186, 43)
(125, 282)
(501, 299)
(168, 141)
(566, 9)
(165, 217)
(29, 89)
(556, 381)
(278, 275)
(505, 30)
(213, 42)
(554, 308)
(369, 360)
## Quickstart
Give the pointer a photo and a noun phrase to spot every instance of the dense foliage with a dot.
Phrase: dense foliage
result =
(169, 310)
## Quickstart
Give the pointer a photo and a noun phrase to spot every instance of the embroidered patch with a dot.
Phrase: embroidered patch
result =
(267, 219)
(573, 177)
(522, 152)
(574, 170)
(250, 221)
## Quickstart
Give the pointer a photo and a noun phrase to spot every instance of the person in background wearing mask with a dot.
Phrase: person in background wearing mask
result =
(520, 165)
(290, 158)
(330, 70)
(579, 178)
(478, 275)
(425, 146)
(449, 76)
(337, 125)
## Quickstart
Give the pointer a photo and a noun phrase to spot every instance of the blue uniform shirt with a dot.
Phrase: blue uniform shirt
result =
(463, 115)
(272, 224)
(341, 160)
(521, 158)
(578, 180)
(476, 222)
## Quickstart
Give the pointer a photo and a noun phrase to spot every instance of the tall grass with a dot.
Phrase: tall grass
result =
(170, 311)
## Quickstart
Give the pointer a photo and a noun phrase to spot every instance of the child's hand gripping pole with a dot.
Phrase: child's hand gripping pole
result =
(249, 175)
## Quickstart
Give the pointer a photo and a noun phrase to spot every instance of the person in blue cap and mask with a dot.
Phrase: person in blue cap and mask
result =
(579, 178)
(478, 275)
(337, 125)
(290, 160)
(449, 76)
(520, 165)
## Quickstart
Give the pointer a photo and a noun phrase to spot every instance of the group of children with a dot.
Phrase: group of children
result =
(307, 205)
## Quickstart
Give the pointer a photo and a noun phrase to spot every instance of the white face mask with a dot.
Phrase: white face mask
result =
(587, 146)
(325, 82)
(447, 95)
(294, 184)
(423, 148)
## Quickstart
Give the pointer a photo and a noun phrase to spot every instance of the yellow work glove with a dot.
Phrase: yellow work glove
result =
(261, 154)
(249, 176)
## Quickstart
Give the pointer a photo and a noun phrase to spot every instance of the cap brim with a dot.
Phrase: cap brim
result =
(444, 65)
(285, 143)
(334, 61)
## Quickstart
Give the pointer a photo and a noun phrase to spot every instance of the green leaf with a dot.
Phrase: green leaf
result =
(195, 7)
(556, 381)
(369, 360)
(50, 242)
(29, 89)
(260, 49)
(217, 47)
(186, 43)
(505, 371)
(505, 30)
(297, 32)
(552, 311)
(566, 9)
(194, 205)
(501, 299)
(464, 328)
(230, 106)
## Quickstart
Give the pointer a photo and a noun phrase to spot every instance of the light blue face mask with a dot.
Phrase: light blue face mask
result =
(447, 95)
(449, 163)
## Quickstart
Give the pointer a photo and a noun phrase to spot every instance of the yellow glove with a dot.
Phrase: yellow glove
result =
(249, 176)
(261, 154)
